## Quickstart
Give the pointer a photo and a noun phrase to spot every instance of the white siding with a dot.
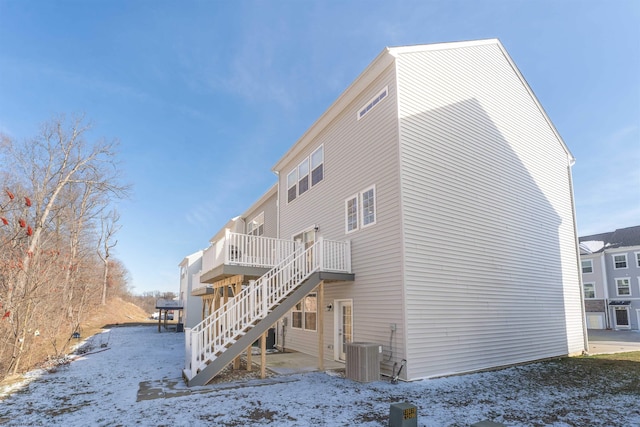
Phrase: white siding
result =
(490, 259)
(269, 206)
(357, 154)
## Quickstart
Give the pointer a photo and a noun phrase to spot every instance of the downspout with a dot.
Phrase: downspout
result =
(585, 336)
(605, 286)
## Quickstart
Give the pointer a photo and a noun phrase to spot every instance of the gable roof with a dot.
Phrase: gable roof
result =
(376, 67)
(620, 238)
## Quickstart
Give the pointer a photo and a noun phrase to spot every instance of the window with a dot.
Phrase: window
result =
(373, 102)
(292, 190)
(305, 313)
(296, 316)
(620, 261)
(255, 227)
(360, 210)
(587, 266)
(589, 290)
(622, 287)
(638, 259)
(622, 317)
(317, 165)
(303, 176)
(352, 214)
(300, 180)
(368, 207)
(310, 312)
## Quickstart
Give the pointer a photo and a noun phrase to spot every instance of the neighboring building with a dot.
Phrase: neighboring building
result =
(190, 268)
(611, 279)
(434, 202)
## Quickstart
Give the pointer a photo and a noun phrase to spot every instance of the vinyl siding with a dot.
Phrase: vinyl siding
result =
(357, 155)
(269, 207)
(491, 270)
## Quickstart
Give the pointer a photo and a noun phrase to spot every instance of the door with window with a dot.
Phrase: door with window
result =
(306, 238)
(622, 317)
(344, 327)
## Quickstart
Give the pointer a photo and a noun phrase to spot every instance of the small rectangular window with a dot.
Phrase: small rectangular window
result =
(310, 312)
(638, 259)
(368, 207)
(317, 166)
(622, 287)
(589, 290)
(303, 176)
(296, 316)
(292, 180)
(351, 206)
(620, 261)
(587, 266)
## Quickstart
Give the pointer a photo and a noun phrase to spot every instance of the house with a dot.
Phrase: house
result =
(190, 266)
(611, 278)
(428, 210)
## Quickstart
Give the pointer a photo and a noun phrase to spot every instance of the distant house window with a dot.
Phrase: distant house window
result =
(351, 206)
(304, 314)
(292, 190)
(373, 102)
(620, 261)
(255, 227)
(360, 210)
(587, 266)
(317, 165)
(622, 287)
(303, 176)
(638, 259)
(589, 290)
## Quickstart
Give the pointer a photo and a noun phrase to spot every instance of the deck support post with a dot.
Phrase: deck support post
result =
(320, 325)
(263, 356)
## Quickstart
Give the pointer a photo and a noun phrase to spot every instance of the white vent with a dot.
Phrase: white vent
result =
(363, 361)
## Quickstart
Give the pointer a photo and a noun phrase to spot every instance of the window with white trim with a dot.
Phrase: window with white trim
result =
(619, 261)
(317, 165)
(292, 188)
(372, 103)
(638, 259)
(351, 206)
(360, 210)
(623, 287)
(589, 290)
(304, 314)
(303, 176)
(307, 174)
(587, 266)
(296, 316)
(255, 227)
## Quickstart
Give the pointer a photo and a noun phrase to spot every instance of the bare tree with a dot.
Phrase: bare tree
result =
(110, 227)
(55, 168)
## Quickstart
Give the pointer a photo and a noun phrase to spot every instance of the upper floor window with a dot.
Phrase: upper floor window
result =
(308, 173)
(373, 102)
(623, 287)
(587, 266)
(638, 259)
(360, 210)
(255, 227)
(292, 181)
(620, 261)
(317, 165)
(589, 290)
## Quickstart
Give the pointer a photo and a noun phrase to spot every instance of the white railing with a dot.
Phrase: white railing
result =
(224, 326)
(244, 249)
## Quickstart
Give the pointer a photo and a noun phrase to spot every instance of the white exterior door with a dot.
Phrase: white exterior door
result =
(344, 327)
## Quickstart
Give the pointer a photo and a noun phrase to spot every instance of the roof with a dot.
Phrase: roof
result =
(620, 238)
(376, 67)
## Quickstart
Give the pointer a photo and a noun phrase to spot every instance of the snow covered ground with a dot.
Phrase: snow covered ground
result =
(102, 388)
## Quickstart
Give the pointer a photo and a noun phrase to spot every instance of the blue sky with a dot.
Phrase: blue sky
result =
(206, 96)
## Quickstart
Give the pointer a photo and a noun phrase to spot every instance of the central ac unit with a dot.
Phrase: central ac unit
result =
(363, 361)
